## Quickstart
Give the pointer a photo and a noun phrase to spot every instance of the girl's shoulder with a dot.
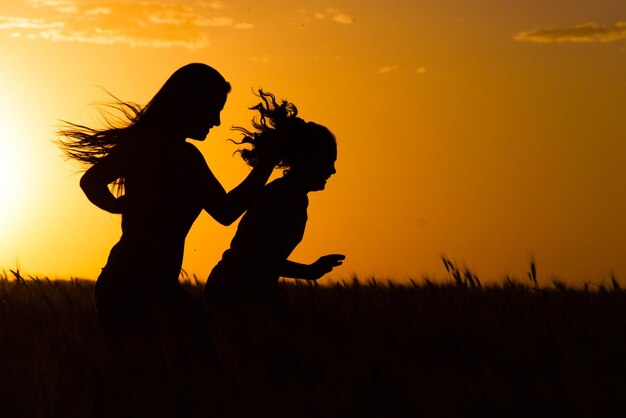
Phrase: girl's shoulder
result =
(186, 148)
(277, 186)
(189, 153)
(191, 148)
(281, 191)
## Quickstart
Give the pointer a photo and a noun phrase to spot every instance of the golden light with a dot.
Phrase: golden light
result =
(14, 173)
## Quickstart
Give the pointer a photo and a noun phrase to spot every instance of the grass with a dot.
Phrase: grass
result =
(427, 349)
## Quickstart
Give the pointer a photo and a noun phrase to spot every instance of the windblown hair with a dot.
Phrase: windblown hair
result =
(126, 122)
(278, 126)
(88, 145)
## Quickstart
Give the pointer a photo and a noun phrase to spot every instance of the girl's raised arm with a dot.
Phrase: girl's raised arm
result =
(225, 207)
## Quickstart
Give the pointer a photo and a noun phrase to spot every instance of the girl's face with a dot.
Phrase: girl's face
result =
(198, 118)
(316, 169)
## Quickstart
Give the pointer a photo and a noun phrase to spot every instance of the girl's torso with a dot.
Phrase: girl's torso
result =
(267, 234)
(161, 188)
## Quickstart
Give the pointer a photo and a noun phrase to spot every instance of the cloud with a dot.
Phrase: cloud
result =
(243, 26)
(387, 69)
(343, 18)
(149, 23)
(26, 23)
(215, 5)
(265, 58)
(62, 6)
(393, 68)
(588, 32)
(99, 11)
(335, 15)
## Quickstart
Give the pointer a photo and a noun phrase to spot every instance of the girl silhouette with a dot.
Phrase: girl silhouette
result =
(165, 182)
(274, 225)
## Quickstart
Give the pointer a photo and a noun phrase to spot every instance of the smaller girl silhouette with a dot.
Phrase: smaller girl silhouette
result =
(274, 224)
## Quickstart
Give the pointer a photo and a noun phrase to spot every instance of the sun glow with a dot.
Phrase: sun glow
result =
(13, 171)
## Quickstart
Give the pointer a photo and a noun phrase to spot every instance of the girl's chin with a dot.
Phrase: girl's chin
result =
(199, 133)
(199, 136)
(315, 187)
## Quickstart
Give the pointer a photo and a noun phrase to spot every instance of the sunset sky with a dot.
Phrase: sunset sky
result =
(487, 131)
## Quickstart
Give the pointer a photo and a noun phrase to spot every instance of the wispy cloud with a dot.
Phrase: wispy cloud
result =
(99, 11)
(27, 23)
(148, 23)
(215, 5)
(265, 58)
(335, 15)
(588, 32)
(387, 69)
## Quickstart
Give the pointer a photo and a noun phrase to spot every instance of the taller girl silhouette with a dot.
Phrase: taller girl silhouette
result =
(163, 183)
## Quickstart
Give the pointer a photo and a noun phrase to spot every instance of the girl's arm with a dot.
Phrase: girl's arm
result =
(323, 265)
(239, 199)
(227, 207)
(95, 182)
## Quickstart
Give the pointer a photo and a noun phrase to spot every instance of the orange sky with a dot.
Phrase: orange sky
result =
(489, 132)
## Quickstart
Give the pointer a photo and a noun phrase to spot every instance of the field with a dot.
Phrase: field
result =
(454, 349)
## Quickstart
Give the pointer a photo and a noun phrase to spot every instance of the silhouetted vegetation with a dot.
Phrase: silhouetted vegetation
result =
(366, 349)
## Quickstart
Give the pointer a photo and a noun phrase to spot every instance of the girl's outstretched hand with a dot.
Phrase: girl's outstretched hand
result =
(324, 264)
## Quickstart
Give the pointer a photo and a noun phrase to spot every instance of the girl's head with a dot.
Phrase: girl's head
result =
(310, 156)
(307, 151)
(187, 106)
(189, 103)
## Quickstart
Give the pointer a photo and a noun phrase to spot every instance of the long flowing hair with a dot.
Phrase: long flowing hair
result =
(126, 122)
(279, 126)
